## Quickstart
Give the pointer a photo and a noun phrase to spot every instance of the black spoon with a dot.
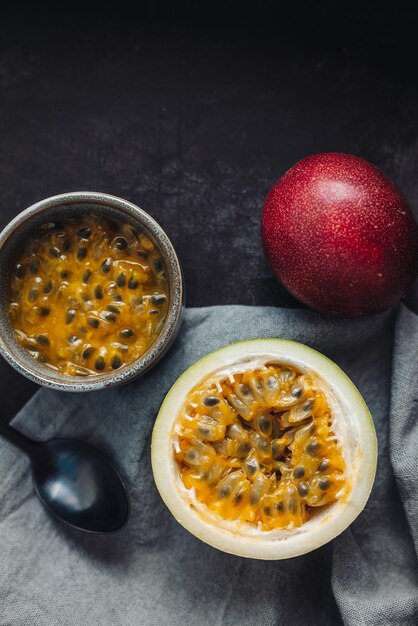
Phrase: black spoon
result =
(75, 482)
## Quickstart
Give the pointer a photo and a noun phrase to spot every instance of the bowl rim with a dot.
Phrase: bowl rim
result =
(175, 306)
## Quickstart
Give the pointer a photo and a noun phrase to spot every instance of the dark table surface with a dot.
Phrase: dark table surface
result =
(193, 115)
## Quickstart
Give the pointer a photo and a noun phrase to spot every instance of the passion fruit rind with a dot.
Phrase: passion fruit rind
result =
(258, 446)
(355, 441)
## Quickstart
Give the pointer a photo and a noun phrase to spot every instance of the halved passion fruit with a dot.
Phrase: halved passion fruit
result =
(264, 449)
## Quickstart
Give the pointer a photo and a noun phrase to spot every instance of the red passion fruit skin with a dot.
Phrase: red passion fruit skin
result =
(340, 236)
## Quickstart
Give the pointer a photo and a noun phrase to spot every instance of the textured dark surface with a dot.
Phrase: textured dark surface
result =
(193, 117)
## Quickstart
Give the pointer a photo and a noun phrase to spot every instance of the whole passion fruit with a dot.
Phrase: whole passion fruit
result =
(264, 449)
(340, 236)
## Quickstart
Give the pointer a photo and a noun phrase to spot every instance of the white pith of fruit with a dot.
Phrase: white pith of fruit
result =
(352, 424)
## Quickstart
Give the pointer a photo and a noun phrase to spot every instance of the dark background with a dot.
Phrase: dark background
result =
(192, 111)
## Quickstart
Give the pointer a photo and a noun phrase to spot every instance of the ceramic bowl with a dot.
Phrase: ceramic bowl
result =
(57, 208)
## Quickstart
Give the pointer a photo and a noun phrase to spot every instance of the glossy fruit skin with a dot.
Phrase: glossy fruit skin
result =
(340, 236)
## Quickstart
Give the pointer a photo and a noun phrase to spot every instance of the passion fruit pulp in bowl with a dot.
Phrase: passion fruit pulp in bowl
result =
(264, 449)
(88, 295)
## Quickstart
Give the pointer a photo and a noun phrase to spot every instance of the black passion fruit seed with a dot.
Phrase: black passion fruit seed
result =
(98, 292)
(133, 283)
(121, 280)
(158, 299)
(84, 233)
(93, 322)
(121, 243)
(20, 270)
(158, 266)
(211, 401)
(86, 276)
(324, 465)
(81, 253)
(299, 472)
(106, 266)
(115, 362)
(100, 364)
(126, 333)
(70, 316)
(43, 340)
(48, 286)
(87, 352)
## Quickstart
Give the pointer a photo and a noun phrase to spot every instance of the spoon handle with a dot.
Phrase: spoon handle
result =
(17, 438)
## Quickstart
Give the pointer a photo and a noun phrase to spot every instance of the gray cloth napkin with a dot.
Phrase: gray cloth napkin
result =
(154, 572)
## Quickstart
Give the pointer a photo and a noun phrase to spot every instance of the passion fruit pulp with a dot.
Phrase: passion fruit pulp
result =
(258, 446)
(264, 449)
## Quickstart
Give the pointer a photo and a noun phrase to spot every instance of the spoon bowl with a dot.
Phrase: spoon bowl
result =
(76, 482)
